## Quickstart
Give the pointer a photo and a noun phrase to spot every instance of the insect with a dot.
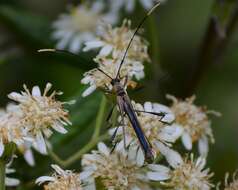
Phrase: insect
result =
(124, 102)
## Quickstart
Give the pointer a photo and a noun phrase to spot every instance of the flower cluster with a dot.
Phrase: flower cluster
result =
(118, 170)
(61, 180)
(113, 43)
(195, 122)
(187, 174)
(158, 129)
(31, 120)
(81, 24)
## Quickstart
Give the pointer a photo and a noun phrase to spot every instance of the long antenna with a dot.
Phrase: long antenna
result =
(138, 27)
(104, 73)
(56, 51)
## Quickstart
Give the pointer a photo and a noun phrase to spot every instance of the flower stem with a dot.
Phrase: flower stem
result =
(84, 150)
(94, 139)
(2, 174)
(100, 117)
(72, 159)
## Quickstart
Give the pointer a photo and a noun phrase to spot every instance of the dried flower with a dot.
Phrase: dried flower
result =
(97, 79)
(187, 174)
(114, 41)
(80, 25)
(61, 180)
(161, 135)
(118, 170)
(195, 122)
(40, 114)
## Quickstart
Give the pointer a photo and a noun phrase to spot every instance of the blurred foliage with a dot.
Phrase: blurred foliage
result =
(180, 29)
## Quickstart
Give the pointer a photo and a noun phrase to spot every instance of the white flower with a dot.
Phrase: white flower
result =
(161, 135)
(11, 131)
(61, 180)
(195, 122)
(129, 5)
(80, 25)
(8, 180)
(187, 174)
(97, 79)
(40, 114)
(114, 41)
(118, 170)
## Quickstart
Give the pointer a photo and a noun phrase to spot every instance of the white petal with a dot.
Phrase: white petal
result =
(97, 6)
(148, 106)
(75, 44)
(135, 188)
(171, 133)
(47, 132)
(15, 96)
(103, 149)
(86, 80)
(120, 147)
(40, 142)
(92, 45)
(89, 184)
(203, 146)
(64, 41)
(89, 90)
(130, 5)
(48, 86)
(58, 127)
(140, 158)
(105, 51)
(12, 182)
(85, 174)
(172, 157)
(44, 179)
(36, 91)
(159, 168)
(58, 169)
(29, 157)
(147, 4)
(1, 147)
(187, 141)
(169, 116)
(158, 176)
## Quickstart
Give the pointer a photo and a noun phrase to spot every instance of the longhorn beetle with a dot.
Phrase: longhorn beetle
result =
(123, 100)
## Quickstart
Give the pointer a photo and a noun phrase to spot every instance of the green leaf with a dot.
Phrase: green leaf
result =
(32, 29)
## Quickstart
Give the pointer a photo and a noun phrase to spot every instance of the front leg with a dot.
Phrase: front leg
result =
(160, 114)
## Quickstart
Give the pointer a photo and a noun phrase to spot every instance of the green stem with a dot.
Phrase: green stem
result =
(94, 139)
(72, 159)
(2, 174)
(84, 150)
(100, 117)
